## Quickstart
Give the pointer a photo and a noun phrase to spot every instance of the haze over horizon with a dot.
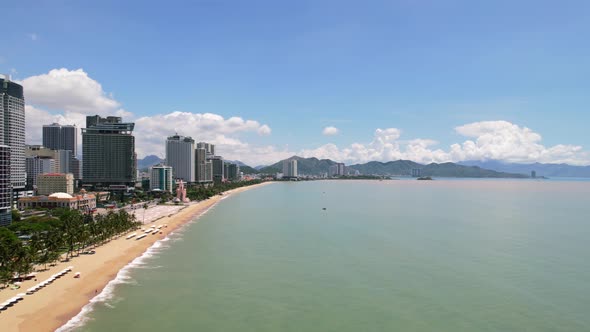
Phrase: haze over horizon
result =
(382, 81)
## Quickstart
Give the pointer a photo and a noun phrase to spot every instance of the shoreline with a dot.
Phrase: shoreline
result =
(55, 305)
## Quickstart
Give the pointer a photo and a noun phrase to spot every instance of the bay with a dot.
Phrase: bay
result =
(464, 255)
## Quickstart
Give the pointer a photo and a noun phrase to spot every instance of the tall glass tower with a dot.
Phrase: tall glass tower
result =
(108, 149)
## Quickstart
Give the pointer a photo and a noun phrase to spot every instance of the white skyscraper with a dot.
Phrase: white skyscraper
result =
(290, 168)
(12, 129)
(180, 155)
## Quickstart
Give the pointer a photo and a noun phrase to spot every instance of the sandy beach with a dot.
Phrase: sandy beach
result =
(52, 306)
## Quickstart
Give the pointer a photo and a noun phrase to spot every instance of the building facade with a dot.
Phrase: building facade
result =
(58, 137)
(5, 191)
(12, 129)
(50, 183)
(161, 178)
(108, 149)
(209, 148)
(290, 168)
(218, 169)
(180, 155)
(203, 167)
(83, 202)
(233, 172)
(337, 169)
(36, 165)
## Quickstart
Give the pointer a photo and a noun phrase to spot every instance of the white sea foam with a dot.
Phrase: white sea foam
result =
(107, 295)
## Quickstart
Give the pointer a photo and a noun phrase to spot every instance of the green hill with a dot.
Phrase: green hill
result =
(315, 166)
(307, 166)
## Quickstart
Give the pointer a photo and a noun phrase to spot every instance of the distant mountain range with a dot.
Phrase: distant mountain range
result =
(148, 161)
(314, 166)
(547, 170)
(470, 169)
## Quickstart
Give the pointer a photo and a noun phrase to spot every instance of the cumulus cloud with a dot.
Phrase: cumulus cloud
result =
(502, 140)
(208, 127)
(69, 90)
(68, 96)
(490, 140)
(330, 131)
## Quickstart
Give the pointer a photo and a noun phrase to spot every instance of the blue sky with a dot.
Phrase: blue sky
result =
(424, 68)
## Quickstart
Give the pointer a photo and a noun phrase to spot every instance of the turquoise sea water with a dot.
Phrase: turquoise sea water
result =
(463, 255)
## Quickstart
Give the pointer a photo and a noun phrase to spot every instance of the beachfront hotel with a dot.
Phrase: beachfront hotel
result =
(180, 155)
(218, 173)
(204, 166)
(83, 202)
(5, 192)
(108, 148)
(12, 129)
(161, 178)
(290, 168)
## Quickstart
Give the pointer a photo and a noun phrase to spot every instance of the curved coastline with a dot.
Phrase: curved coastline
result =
(65, 304)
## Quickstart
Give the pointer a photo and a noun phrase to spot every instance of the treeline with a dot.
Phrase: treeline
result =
(199, 193)
(43, 240)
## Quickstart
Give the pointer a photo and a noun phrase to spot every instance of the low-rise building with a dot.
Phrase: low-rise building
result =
(83, 202)
(50, 183)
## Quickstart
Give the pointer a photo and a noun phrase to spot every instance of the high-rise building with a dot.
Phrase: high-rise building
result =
(108, 149)
(5, 191)
(12, 129)
(161, 178)
(233, 172)
(58, 137)
(50, 183)
(226, 170)
(52, 136)
(209, 148)
(203, 166)
(180, 155)
(416, 172)
(36, 165)
(338, 169)
(290, 168)
(218, 172)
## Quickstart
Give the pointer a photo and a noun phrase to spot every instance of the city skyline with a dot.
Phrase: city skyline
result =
(362, 85)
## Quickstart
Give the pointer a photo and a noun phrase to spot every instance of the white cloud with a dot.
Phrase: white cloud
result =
(67, 96)
(491, 140)
(69, 90)
(330, 131)
(207, 127)
(502, 140)
(264, 130)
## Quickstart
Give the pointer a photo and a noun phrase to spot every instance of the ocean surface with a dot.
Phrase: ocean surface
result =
(452, 255)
